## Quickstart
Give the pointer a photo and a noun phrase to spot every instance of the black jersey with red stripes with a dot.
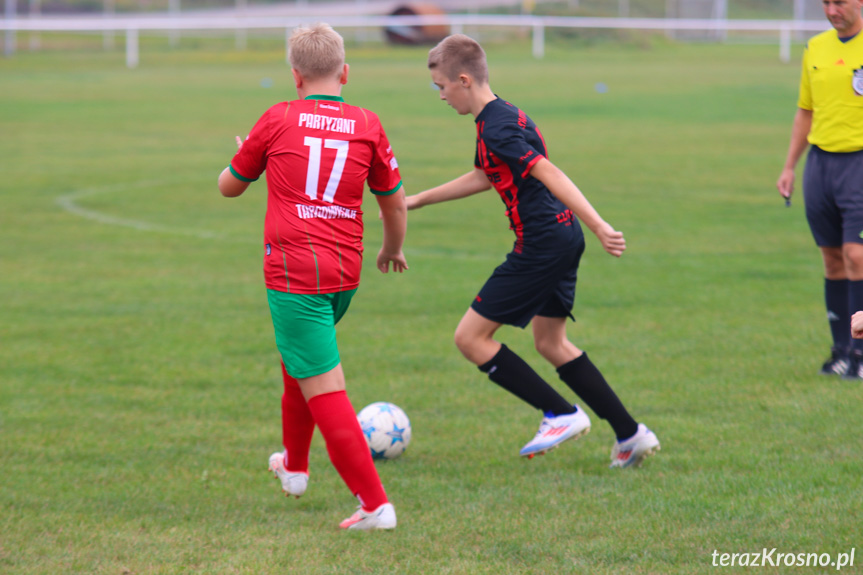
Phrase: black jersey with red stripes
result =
(508, 144)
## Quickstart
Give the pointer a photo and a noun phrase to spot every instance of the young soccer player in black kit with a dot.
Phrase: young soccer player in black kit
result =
(536, 283)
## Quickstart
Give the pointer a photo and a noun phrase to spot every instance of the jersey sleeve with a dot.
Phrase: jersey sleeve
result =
(508, 143)
(804, 100)
(250, 161)
(384, 177)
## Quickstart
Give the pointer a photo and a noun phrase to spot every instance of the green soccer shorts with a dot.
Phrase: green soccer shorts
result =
(305, 326)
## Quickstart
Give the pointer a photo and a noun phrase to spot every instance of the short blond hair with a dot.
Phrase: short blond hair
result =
(316, 51)
(459, 54)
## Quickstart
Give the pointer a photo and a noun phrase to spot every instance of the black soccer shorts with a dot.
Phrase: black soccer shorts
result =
(833, 193)
(527, 285)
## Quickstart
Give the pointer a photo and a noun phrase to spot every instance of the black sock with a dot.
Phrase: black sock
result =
(855, 303)
(587, 382)
(837, 295)
(513, 374)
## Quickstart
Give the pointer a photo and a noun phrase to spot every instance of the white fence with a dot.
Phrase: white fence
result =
(133, 25)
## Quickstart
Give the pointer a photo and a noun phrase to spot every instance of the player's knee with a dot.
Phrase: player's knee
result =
(470, 346)
(834, 263)
(852, 256)
(462, 341)
(546, 346)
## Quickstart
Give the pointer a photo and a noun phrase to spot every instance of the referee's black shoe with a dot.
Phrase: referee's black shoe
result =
(838, 364)
(855, 366)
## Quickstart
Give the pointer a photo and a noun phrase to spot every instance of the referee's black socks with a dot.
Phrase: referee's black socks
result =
(513, 374)
(587, 382)
(837, 298)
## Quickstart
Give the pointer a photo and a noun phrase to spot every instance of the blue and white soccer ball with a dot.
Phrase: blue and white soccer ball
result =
(386, 428)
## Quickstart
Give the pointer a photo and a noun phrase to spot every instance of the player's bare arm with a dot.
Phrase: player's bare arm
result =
(393, 212)
(567, 192)
(466, 185)
(798, 145)
(230, 185)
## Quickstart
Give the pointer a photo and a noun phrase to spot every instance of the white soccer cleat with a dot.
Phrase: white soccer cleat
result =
(384, 517)
(293, 482)
(633, 451)
(555, 430)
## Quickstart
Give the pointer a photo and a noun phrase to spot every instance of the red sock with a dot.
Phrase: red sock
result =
(347, 447)
(298, 425)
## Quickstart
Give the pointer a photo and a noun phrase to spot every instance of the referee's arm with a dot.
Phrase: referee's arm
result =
(798, 145)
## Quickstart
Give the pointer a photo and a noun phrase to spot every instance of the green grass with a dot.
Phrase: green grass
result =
(139, 383)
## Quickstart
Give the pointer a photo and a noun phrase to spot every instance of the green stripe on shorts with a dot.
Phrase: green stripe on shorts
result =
(305, 327)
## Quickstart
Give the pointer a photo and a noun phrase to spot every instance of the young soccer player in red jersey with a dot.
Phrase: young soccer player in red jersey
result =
(318, 153)
(536, 283)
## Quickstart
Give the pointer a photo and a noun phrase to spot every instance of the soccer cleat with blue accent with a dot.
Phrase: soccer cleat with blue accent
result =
(384, 517)
(293, 482)
(633, 451)
(555, 430)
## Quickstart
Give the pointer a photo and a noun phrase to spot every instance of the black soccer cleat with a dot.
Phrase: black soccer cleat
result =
(838, 364)
(855, 366)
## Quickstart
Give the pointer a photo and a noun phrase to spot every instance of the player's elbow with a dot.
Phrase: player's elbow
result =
(395, 211)
(230, 186)
(229, 193)
(393, 207)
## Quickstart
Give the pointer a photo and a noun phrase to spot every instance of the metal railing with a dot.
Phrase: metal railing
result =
(132, 25)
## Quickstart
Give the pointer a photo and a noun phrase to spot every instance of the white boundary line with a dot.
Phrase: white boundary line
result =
(69, 202)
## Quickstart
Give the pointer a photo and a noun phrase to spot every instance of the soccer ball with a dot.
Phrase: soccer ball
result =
(386, 428)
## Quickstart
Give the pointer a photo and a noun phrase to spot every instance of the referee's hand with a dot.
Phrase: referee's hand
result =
(785, 184)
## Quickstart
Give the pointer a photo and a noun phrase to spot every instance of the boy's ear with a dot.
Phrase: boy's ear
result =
(298, 79)
(344, 78)
(465, 80)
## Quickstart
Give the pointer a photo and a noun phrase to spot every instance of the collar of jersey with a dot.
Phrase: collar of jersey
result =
(481, 112)
(320, 97)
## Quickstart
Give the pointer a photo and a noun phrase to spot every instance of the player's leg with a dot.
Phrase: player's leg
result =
(514, 293)
(298, 425)
(837, 297)
(306, 338)
(847, 175)
(579, 373)
(852, 254)
(634, 441)
(825, 223)
(474, 337)
(335, 416)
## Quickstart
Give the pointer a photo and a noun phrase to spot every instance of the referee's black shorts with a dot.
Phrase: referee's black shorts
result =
(833, 193)
(525, 286)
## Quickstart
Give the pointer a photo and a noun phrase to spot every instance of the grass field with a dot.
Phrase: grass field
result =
(139, 382)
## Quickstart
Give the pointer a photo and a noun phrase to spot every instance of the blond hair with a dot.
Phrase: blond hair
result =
(459, 54)
(316, 51)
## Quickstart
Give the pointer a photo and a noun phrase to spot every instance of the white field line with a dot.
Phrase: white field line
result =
(69, 202)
